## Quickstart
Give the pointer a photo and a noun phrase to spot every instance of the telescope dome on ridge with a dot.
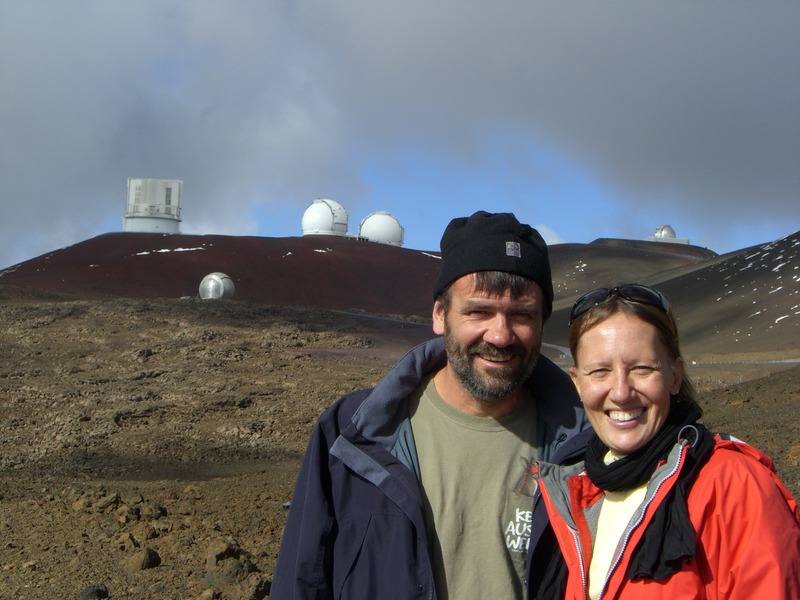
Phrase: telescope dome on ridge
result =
(665, 231)
(325, 217)
(666, 234)
(381, 227)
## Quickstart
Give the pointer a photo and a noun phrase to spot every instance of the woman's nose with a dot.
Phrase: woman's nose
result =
(620, 387)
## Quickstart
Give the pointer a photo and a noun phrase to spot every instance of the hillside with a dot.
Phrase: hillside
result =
(150, 441)
(741, 304)
(578, 268)
(315, 271)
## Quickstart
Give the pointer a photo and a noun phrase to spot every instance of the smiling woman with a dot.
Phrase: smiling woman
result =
(660, 507)
(626, 378)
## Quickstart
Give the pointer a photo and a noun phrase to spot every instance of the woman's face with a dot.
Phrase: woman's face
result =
(625, 377)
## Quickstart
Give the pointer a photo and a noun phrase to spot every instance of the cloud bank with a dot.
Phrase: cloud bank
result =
(609, 114)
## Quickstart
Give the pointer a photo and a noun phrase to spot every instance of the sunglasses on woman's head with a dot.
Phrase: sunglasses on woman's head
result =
(632, 292)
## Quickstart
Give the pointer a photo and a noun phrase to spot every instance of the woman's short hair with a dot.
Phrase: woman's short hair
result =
(663, 320)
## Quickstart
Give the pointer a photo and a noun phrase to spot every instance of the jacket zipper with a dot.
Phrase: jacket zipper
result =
(577, 543)
(630, 529)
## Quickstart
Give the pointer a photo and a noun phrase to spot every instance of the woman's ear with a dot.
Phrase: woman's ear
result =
(573, 373)
(678, 371)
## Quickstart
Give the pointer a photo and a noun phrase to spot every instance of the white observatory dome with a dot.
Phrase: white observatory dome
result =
(665, 231)
(216, 286)
(325, 217)
(383, 228)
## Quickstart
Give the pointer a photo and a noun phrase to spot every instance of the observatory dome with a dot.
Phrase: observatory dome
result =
(383, 228)
(325, 217)
(665, 231)
(216, 286)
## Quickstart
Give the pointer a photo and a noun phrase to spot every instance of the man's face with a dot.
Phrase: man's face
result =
(492, 342)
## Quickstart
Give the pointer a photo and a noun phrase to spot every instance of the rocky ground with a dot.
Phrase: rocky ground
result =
(148, 448)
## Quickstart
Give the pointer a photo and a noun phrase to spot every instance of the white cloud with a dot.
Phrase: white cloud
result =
(677, 111)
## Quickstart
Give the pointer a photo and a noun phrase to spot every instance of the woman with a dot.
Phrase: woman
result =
(659, 507)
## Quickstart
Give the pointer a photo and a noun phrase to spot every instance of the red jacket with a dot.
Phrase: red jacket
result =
(746, 521)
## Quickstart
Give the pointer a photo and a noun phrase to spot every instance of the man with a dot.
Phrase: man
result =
(421, 487)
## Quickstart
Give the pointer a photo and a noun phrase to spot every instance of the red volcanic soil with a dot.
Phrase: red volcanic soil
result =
(312, 271)
(332, 272)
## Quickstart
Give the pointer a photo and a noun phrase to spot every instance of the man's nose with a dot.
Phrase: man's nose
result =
(499, 332)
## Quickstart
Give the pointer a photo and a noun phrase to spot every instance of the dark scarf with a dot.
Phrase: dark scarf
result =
(669, 539)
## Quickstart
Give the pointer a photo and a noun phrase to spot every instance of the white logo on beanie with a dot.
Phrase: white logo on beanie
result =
(513, 249)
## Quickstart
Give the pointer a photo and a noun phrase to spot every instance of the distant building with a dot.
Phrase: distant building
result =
(154, 206)
(328, 217)
(217, 286)
(325, 217)
(383, 228)
(665, 233)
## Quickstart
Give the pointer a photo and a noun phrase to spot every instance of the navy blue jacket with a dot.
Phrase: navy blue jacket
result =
(355, 528)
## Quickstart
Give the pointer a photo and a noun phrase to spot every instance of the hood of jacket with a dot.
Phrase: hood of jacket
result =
(383, 415)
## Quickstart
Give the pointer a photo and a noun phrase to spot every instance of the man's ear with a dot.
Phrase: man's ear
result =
(438, 317)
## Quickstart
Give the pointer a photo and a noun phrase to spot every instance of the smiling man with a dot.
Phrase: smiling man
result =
(421, 487)
(492, 340)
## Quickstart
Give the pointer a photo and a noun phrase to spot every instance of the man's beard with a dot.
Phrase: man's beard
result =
(497, 383)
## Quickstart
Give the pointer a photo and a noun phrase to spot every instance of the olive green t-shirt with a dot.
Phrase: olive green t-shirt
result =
(476, 486)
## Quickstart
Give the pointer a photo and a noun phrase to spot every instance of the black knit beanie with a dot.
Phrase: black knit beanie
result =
(494, 242)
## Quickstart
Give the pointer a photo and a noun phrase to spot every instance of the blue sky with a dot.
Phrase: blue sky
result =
(585, 119)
